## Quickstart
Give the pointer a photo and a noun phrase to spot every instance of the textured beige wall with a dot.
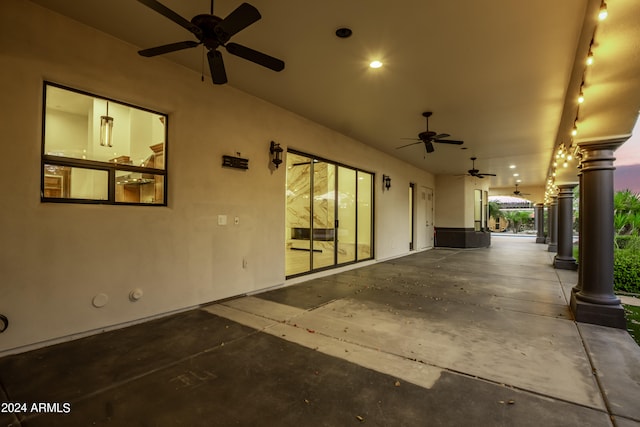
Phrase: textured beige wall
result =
(454, 200)
(55, 258)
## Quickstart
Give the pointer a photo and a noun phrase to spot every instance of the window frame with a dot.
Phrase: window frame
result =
(110, 168)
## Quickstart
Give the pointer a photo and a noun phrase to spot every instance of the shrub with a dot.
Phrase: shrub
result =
(628, 242)
(626, 271)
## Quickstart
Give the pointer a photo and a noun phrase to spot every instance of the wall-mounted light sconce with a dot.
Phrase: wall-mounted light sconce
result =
(106, 129)
(276, 154)
(386, 181)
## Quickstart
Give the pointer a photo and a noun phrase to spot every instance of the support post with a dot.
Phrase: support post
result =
(547, 238)
(539, 220)
(578, 285)
(595, 302)
(564, 258)
(553, 225)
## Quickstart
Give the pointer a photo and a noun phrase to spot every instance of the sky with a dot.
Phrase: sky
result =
(627, 163)
(629, 152)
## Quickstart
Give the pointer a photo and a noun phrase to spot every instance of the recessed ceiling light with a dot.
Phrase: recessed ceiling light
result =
(344, 32)
(512, 166)
(518, 180)
(516, 174)
(375, 64)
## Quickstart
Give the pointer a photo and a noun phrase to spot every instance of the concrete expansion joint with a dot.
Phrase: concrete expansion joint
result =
(594, 371)
(264, 316)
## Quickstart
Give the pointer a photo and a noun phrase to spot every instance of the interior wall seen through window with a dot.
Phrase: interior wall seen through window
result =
(128, 167)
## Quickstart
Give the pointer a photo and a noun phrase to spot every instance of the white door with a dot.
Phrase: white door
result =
(425, 218)
(429, 222)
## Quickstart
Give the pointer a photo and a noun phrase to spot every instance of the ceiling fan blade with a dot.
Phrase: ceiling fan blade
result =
(159, 50)
(429, 146)
(216, 65)
(482, 175)
(254, 56)
(448, 141)
(170, 14)
(442, 135)
(408, 145)
(243, 16)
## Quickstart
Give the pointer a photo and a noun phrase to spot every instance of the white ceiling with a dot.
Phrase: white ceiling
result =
(502, 75)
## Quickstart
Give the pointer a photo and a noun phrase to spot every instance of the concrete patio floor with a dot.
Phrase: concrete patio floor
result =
(444, 337)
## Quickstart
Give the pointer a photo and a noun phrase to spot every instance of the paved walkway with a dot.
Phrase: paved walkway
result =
(444, 337)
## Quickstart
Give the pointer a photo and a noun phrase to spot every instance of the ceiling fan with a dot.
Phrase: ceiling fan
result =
(518, 193)
(428, 137)
(213, 32)
(475, 172)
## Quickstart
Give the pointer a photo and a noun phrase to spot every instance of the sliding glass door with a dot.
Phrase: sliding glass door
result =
(323, 231)
(329, 214)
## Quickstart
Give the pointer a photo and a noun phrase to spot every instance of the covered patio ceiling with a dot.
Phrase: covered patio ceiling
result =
(503, 76)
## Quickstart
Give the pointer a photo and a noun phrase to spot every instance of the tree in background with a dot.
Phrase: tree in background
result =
(517, 219)
(494, 211)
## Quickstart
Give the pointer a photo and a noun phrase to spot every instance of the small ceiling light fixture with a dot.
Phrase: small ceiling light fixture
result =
(512, 166)
(375, 64)
(574, 131)
(602, 14)
(106, 129)
(276, 153)
(386, 181)
(581, 97)
(516, 174)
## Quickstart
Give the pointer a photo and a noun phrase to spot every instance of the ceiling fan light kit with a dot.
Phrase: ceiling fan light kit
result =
(213, 32)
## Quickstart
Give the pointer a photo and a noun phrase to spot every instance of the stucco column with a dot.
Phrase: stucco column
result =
(595, 302)
(578, 285)
(538, 213)
(564, 258)
(553, 225)
(547, 238)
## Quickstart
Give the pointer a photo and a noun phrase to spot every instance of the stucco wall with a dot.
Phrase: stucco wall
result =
(455, 200)
(55, 258)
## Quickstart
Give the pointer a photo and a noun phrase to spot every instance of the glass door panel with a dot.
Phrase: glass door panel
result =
(329, 214)
(365, 215)
(346, 215)
(298, 215)
(324, 215)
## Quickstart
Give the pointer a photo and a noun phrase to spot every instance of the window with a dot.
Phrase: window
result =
(477, 211)
(96, 150)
